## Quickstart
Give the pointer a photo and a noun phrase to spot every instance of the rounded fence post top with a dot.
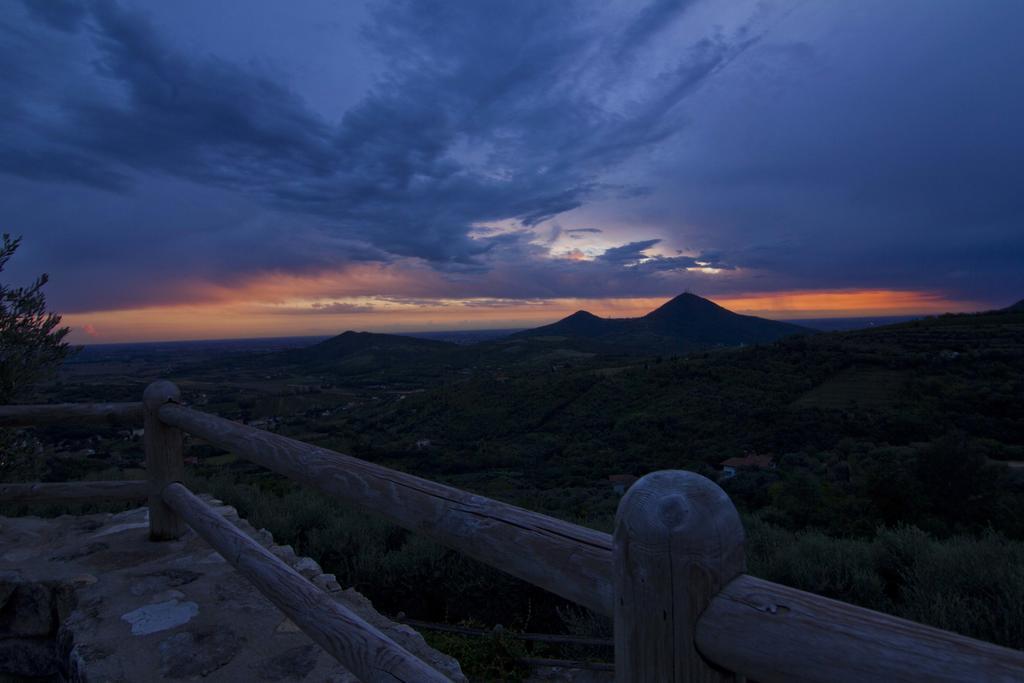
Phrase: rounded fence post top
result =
(675, 502)
(159, 393)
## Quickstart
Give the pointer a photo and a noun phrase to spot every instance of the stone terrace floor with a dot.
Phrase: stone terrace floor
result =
(90, 599)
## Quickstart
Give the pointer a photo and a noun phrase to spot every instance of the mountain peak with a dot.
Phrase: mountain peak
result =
(579, 324)
(686, 304)
(581, 315)
(686, 321)
(351, 341)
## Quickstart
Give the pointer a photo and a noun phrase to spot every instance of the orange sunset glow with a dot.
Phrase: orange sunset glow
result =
(845, 303)
(274, 310)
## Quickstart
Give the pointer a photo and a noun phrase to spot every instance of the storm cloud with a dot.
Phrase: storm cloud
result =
(516, 151)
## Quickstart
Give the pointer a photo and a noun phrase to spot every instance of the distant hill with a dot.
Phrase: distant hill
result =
(1019, 306)
(685, 322)
(579, 324)
(691, 317)
(370, 357)
(351, 342)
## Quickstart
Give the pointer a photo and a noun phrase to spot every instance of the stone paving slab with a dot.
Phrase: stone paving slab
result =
(106, 605)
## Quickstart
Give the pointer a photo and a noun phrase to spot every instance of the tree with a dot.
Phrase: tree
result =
(31, 339)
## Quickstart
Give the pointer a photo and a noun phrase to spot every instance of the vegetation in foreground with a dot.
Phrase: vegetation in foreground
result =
(970, 584)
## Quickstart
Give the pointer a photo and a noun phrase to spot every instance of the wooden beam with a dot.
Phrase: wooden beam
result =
(678, 540)
(165, 460)
(29, 415)
(359, 646)
(74, 492)
(564, 558)
(576, 563)
(776, 634)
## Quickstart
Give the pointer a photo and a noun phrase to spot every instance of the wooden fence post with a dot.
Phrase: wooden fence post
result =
(164, 461)
(678, 540)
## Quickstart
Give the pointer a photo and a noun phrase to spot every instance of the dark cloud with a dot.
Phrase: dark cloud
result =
(62, 165)
(884, 156)
(634, 256)
(652, 19)
(789, 149)
(580, 233)
(198, 118)
(64, 15)
(628, 253)
(496, 78)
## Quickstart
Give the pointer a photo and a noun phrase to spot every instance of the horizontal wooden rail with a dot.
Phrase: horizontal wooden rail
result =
(359, 646)
(774, 634)
(566, 559)
(756, 628)
(74, 491)
(28, 415)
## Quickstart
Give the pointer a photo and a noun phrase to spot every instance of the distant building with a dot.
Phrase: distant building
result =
(750, 461)
(621, 482)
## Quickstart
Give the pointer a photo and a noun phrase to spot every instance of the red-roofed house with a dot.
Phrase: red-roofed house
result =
(750, 461)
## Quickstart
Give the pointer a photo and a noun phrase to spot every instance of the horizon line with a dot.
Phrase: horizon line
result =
(412, 333)
(221, 321)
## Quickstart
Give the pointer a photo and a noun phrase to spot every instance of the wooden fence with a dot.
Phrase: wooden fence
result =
(672, 575)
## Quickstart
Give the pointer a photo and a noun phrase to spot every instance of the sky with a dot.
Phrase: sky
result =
(211, 169)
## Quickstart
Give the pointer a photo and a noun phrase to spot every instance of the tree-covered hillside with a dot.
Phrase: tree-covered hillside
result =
(912, 423)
